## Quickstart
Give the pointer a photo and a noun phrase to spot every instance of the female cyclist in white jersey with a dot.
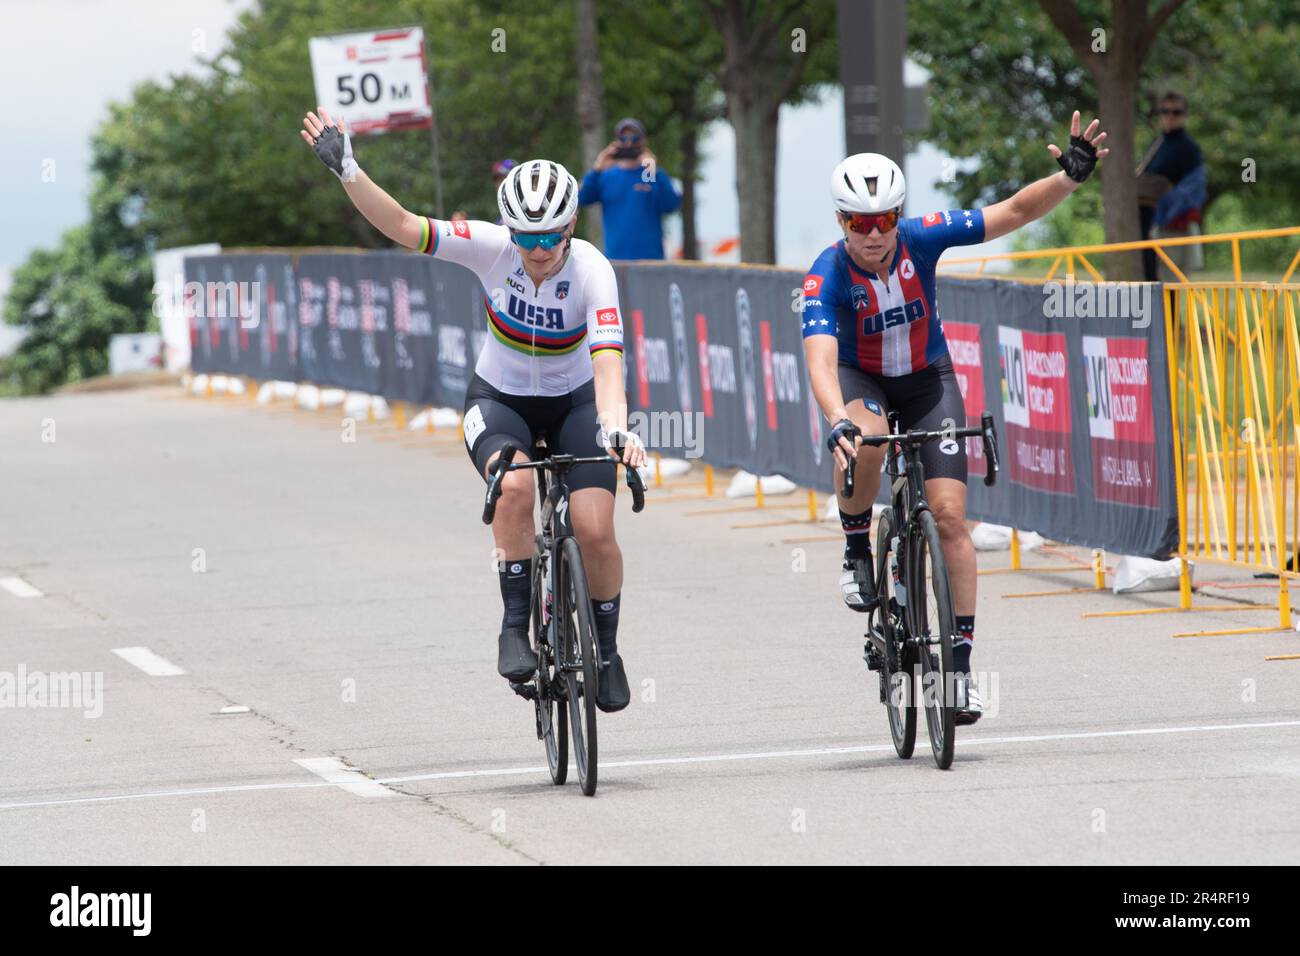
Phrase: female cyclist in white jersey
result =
(552, 367)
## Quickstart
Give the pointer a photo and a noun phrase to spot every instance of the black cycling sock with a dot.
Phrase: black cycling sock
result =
(857, 534)
(962, 643)
(606, 615)
(516, 579)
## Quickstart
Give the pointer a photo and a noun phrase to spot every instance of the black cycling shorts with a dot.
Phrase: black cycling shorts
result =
(929, 399)
(567, 423)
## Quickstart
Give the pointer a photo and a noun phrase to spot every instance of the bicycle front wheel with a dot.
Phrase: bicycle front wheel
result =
(896, 669)
(579, 662)
(931, 622)
(552, 717)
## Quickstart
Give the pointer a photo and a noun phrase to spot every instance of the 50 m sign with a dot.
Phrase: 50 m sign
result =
(376, 81)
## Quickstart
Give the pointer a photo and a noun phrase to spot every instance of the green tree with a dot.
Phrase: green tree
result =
(775, 52)
(662, 60)
(1004, 81)
(70, 300)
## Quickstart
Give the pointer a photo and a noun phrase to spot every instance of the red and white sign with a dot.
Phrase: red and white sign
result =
(812, 285)
(967, 363)
(932, 219)
(638, 339)
(706, 379)
(607, 317)
(460, 227)
(1036, 408)
(1121, 425)
(769, 380)
(377, 81)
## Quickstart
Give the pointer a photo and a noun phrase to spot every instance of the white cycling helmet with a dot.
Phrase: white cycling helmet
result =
(867, 182)
(538, 196)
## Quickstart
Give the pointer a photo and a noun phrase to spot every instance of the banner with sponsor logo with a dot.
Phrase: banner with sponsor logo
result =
(242, 314)
(720, 351)
(1077, 378)
(1076, 375)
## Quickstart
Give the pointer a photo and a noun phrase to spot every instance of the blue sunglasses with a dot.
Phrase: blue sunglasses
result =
(531, 240)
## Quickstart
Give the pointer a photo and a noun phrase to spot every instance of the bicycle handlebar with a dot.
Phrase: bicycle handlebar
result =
(986, 432)
(505, 463)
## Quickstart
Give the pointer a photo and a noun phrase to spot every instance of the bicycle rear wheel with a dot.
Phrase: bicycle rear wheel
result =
(931, 621)
(579, 660)
(897, 686)
(552, 717)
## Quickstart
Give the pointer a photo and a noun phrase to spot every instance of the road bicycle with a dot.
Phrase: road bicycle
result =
(563, 629)
(912, 623)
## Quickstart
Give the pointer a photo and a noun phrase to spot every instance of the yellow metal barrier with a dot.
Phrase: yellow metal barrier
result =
(1234, 372)
(1234, 365)
(975, 265)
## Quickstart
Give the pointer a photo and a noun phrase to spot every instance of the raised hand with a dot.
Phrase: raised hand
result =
(1084, 152)
(331, 143)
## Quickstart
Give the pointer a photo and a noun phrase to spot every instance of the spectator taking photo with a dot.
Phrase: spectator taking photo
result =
(634, 194)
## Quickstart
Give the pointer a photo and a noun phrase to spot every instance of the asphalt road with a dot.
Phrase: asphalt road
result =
(341, 595)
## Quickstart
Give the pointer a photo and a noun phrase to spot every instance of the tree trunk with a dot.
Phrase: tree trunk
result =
(591, 97)
(690, 164)
(755, 125)
(1116, 70)
(1117, 92)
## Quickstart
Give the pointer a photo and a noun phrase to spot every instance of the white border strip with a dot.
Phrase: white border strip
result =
(19, 588)
(148, 661)
(335, 771)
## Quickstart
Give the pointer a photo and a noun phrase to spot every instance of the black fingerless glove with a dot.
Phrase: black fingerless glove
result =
(1079, 160)
(843, 429)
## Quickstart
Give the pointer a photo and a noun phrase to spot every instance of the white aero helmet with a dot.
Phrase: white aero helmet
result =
(538, 196)
(867, 182)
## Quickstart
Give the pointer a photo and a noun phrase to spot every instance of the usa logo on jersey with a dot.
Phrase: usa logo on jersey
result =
(562, 289)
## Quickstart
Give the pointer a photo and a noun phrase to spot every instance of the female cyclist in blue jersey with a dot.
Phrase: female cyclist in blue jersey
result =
(552, 367)
(874, 342)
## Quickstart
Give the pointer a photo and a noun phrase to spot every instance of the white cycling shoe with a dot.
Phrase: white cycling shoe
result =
(856, 586)
(969, 704)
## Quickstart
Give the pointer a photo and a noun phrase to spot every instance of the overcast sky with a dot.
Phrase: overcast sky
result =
(67, 59)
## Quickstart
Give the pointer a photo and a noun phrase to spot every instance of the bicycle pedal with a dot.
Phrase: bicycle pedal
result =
(526, 691)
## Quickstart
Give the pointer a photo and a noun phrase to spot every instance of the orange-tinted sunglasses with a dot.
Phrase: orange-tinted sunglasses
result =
(864, 222)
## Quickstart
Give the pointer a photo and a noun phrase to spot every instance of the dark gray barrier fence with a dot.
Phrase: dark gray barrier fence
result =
(715, 368)
(722, 349)
(1081, 401)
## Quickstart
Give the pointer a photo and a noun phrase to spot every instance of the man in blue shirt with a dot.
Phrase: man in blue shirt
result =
(634, 194)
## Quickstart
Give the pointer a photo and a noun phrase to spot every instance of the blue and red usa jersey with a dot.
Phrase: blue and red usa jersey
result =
(888, 325)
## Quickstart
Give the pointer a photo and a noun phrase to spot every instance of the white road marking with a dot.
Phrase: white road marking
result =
(234, 709)
(114, 798)
(832, 751)
(652, 762)
(19, 588)
(148, 661)
(344, 777)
